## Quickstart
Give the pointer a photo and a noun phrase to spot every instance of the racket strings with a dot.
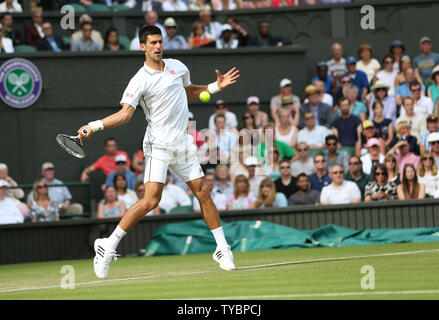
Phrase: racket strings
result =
(72, 146)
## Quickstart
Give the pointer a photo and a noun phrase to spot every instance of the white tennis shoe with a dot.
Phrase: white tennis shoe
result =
(103, 257)
(224, 257)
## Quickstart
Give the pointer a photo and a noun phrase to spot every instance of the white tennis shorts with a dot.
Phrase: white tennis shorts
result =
(182, 160)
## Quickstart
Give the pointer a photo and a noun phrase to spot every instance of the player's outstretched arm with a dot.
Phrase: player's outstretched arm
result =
(114, 120)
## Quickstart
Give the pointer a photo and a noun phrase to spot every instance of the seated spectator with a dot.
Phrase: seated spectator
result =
(173, 196)
(356, 174)
(367, 133)
(237, 167)
(380, 93)
(304, 194)
(238, 32)
(95, 34)
(9, 213)
(42, 207)
(122, 168)
(212, 29)
(302, 163)
(111, 206)
(426, 61)
(198, 37)
(16, 193)
(172, 40)
(10, 31)
(312, 134)
(128, 196)
(219, 5)
(226, 41)
(383, 126)
(322, 112)
(322, 75)
(6, 44)
(320, 177)
(223, 183)
(323, 96)
(410, 188)
(346, 126)
(265, 39)
(432, 126)
(343, 82)
(358, 77)
(86, 43)
(224, 138)
(112, 40)
(392, 168)
(50, 41)
(261, 117)
(255, 174)
(334, 155)
(268, 136)
(247, 122)
(285, 184)
(388, 73)
(284, 130)
(405, 63)
(380, 188)
(219, 198)
(268, 197)
(138, 163)
(428, 173)
(337, 65)
(248, 140)
(148, 6)
(403, 133)
(422, 104)
(241, 198)
(11, 6)
(191, 129)
(433, 89)
(397, 49)
(403, 90)
(174, 5)
(417, 122)
(276, 102)
(433, 140)
(198, 5)
(105, 163)
(357, 108)
(373, 156)
(139, 188)
(221, 108)
(405, 156)
(270, 167)
(34, 32)
(367, 64)
(339, 191)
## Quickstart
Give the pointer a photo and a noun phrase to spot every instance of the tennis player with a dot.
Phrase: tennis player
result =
(162, 87)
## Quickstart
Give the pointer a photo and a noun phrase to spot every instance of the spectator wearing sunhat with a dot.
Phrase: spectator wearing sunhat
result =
(261, 117)
(226, 41)
(121, 168)
(368, 132)
(285, 86)
(322, 112)
(380, 93)
(172, 40)
(433, 140)
(432, 126)
(427, 60)
(397, 49)
(367, 63)
(358, 77)
(433, 89)
(9, 213)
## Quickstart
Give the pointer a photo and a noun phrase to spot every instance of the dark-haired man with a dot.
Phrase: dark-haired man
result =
(304, 194)
(162, 88)
(86, 42)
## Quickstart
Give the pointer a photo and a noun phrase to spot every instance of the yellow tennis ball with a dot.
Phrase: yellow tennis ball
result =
(204, 96)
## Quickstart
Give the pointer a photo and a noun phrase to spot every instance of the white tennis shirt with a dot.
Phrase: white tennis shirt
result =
(163, 98)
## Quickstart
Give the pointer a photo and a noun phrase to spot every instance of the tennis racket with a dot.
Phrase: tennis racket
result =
(72, 144)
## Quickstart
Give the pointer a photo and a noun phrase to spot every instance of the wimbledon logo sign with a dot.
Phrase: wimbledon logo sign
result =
(20, 83)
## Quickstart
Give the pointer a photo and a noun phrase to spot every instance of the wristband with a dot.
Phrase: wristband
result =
(213, 88)
(96, 125)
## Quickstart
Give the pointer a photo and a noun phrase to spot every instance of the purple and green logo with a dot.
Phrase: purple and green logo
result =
(20, 83)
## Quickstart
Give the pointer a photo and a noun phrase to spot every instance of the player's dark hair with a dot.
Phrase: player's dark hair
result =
(146, 30)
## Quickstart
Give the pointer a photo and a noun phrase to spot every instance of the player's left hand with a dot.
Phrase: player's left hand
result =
(227, 79)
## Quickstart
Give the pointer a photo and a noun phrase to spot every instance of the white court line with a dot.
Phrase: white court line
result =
(103, 282)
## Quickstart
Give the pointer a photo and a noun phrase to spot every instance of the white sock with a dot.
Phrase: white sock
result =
(115, 237)
(220, 239)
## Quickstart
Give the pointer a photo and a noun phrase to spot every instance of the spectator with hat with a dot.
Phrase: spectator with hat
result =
(322, 112)
(261, 117)
(322, 74)
(226, 41)
(433, 141)
(255, 174)
(367, 63)
(337, 65)
(380, 94)
(388, 73)
(426, 61)
(417, 121)
(221, 108)
(285, 86)
(433, 88)
(122, 168)
(358, 77)
(397, 49)
(373, 156)
(432, 126)
(367, 133)
(9, 213)
(172, 40)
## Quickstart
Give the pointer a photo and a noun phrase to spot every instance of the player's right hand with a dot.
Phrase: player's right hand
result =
(82, 134)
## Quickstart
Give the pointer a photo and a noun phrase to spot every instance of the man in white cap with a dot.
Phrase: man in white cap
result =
(9, 212)
(172, 40)
(285, 86)
(227, 41)
(254, 173)
(433, 140)
(121, 168)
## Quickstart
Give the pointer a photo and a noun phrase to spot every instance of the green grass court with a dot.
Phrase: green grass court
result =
(402, 271)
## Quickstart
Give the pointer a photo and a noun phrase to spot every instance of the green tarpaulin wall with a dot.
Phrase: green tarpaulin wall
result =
(194, 237)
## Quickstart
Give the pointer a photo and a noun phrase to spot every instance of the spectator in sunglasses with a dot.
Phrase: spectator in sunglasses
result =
(333, 154)
(428, 173)
(339, 191)
(433, 140)
(320, 177)
(302, 162)
(42, 207)
(357, 175)
(380, 189)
